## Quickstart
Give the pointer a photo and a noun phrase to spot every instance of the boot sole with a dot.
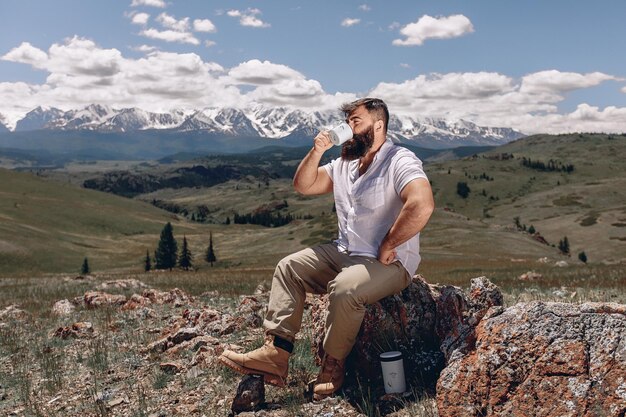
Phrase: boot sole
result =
(268, 378)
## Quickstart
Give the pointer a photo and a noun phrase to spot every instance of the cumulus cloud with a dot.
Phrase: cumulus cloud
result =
(365, 8)
(27, 54)
(80, 73)
(428, 27)
(170, 36)
(139, 18)
(170, 22)
(255, 72)
(554, 81)
(153, 3)
(249, 18)
(529, 104)
(347, 22)
(204, 25)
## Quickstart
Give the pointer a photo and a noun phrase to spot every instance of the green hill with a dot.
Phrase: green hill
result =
(46, 226)
(588, 204)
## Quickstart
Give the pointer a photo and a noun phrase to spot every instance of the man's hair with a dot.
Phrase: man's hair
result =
(373, 105)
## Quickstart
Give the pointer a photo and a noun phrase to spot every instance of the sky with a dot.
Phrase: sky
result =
(535, 65)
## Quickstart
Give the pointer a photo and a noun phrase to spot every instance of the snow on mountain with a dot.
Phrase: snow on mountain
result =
(259, 121)
(137, 119)
(38, 118)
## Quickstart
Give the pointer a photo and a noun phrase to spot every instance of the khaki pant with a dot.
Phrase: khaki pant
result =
(351, 281)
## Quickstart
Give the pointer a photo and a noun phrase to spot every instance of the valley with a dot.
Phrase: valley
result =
(51, 221)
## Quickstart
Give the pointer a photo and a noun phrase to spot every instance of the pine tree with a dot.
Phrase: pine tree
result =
(210, 254)
(185, 256)
(84, 270)
(564, 245)
(583, 257)
(147, 262)
(166, 254)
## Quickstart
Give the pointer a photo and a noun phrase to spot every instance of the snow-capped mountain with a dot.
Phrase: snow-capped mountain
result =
(261, 122)
(38, 118)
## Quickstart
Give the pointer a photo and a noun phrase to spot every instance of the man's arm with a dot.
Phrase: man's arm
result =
(310, 178)
(417, 197)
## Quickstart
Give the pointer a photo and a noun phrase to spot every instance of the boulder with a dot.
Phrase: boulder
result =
(427, 323)
(63, 308)
(540, 359)
(97, 299)
(250, 394)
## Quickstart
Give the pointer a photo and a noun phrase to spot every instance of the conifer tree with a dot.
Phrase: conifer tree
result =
(84, 269)
(210, 254)
(147, 262)
(582, 256)
(185, 260)
(166, 254)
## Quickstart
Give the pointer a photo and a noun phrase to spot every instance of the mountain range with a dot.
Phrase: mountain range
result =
(293, 127)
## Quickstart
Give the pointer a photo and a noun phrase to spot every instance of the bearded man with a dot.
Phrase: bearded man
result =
(383, 200)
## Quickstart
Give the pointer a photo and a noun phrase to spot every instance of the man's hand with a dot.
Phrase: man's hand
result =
(386, 255)
(322, 142)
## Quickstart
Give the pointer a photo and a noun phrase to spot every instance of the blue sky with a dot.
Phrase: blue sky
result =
(551, 66)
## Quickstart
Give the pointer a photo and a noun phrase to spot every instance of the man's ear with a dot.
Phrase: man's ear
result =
(378, 125)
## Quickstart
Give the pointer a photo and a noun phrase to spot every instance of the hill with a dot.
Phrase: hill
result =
(529, 179)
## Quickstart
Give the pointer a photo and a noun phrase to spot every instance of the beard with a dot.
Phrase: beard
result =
(358, 146)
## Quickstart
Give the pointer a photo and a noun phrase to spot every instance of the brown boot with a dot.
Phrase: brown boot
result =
(268, 360)
(330, 378)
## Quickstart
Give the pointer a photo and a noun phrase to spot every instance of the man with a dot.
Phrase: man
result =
(383, 200)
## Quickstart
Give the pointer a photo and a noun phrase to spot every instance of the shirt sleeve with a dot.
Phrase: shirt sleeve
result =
(407, 167)
(329, 167)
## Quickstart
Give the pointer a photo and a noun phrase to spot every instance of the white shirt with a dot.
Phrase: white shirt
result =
(368, 205)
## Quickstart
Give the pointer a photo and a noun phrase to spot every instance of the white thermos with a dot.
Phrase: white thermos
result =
(393, 372)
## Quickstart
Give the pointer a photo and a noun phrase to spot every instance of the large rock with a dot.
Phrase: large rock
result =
(540, 359)
(427, 323)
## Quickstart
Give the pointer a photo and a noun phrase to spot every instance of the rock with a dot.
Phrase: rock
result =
(427, 323)
(171, 367)
(136, 301)
(175, 296)
(122, 284)
(541, 359)
(78, 330)
(250, 394)
(561, 264)
(63, 308)
(13, 312)
(97, 299)
(530, 276)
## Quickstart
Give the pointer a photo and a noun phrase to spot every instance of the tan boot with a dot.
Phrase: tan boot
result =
(268, 360)
(330, 378)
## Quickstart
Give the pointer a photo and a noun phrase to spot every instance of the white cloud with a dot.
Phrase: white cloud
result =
(170, 22)
(365, 7)
(27, 54)
(209, 43)
(81, 72)
(255, 72)
(153, 3)
(249, 18)
(557, 82)
(623, 90)
(170, 36)
(347, 22)
(404, 65)
(491, 99)
(428, 27)
(204, 25)
(144, 48)
(140, 18)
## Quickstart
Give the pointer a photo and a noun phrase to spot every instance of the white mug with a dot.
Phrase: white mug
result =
(393, 372)
(341, 133)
